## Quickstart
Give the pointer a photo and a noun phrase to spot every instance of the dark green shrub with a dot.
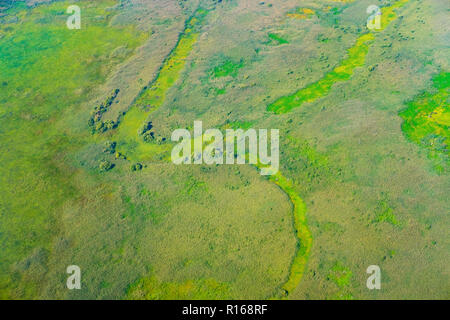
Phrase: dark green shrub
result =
(105, 165)
(110, 147)
(136, 167)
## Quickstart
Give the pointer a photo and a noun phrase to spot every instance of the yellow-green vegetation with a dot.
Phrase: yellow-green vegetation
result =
(303, 235)
(82, 182)
(356, 58)
(95, 121)
(153, 97)
(301, 231)
(385, 213)
(302, 13)
(151, 289)
(277, 38)
(238, 125)
(227, 68)
(47, 71)
(388, 13)
(341, 276)
(427, 121)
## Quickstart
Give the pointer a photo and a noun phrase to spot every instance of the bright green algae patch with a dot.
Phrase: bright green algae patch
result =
(47, 71)
(427, 121)
(150, 99)
(356, 58)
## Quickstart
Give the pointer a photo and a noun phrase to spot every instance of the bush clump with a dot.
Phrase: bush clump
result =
(136, 167)
(105, 165)
(95, 123)
(110, 147)
(148, 135)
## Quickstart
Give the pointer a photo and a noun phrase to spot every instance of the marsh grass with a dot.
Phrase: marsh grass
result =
(343, 72)
(47, 72)
(427, 121)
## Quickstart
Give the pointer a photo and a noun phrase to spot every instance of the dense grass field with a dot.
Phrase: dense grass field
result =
(86, 179)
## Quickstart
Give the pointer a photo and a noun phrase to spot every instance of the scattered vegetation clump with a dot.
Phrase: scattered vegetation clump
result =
(341, 276)
(146, 132)
(160, 140)
(119, 155)
(307, 167)
(105, 165)
(302, 13)
(95, 121)
(110, 147)
(150, 288)
(384, 213)
(194, 187)
(219, 91)
(277, 38)
(149, 135)
(244, 125)
(228, 68)
(330, 16)
(427, 121)
(391, 254)
(136, 167)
